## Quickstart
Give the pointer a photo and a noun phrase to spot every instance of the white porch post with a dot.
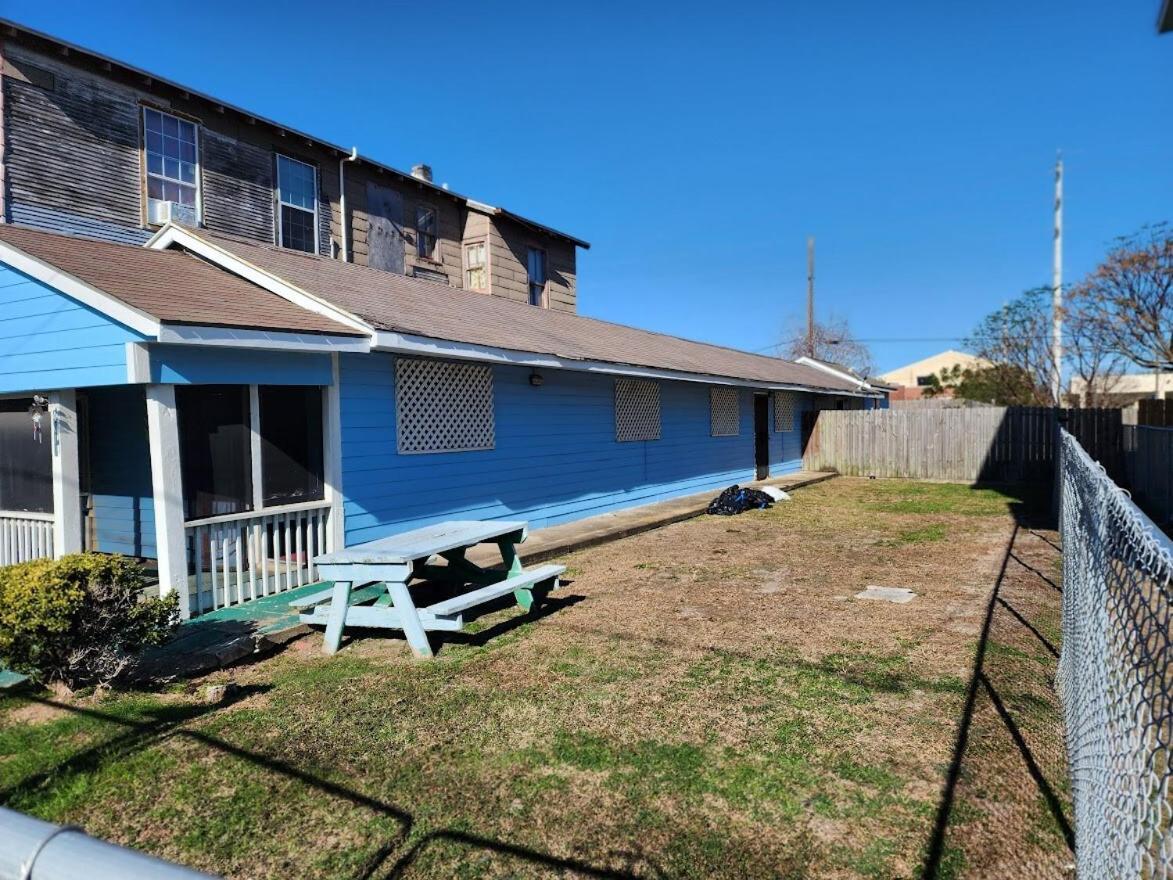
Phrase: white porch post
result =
(66, 488)
(332, 458)
(167, 484)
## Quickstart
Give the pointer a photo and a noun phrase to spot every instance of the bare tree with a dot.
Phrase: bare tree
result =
(1016, 341)
(1130, 296)
(1091, 349)
(833, 341)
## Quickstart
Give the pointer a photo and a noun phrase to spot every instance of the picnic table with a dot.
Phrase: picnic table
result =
(369, 581)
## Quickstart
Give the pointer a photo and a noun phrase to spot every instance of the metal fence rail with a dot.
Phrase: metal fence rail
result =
(1115, 678)
(34, 850)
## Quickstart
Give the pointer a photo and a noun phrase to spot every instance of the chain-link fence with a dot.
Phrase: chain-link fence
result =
(1115, 677)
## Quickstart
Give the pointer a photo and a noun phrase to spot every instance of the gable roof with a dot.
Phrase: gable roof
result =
(394, 304)
(15, 29)
(168, 287)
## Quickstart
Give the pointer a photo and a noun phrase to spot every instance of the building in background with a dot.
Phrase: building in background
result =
(912, 379)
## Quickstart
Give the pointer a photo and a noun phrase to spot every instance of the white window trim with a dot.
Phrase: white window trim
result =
(280, 203)
(147, 175)
(482, 243)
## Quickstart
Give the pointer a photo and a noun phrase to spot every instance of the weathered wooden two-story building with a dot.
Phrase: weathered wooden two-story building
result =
(226, 346)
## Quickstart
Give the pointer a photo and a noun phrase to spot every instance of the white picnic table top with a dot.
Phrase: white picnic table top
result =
(423, 542)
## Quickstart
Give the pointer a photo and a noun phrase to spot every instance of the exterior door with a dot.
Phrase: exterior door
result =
(761, 435)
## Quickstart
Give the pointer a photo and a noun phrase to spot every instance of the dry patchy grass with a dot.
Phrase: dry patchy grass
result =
(704, 700)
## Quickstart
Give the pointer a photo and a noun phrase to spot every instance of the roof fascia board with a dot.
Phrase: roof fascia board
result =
(171, 235)
(275, 340)
(819, 365)
(425, 346)
(75, 288)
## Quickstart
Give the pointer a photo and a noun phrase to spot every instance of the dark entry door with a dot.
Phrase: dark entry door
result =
(761, 435)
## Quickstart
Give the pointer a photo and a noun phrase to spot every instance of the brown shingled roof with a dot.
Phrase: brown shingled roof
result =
(397, 303)
(173, 287)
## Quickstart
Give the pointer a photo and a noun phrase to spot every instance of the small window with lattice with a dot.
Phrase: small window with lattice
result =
(443, 406)
(785, 410)
(637, 410)
(724, 413)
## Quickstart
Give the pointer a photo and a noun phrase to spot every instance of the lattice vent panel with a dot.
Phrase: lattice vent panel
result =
(724, 412)
(443, 406)
(637, 410)
(785, 410)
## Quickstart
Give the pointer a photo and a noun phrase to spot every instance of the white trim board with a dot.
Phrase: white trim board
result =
(281, 340)
(819, 365)
(116, 309)
(423, 346)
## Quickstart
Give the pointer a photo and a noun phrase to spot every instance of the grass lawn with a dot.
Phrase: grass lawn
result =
(704, 700)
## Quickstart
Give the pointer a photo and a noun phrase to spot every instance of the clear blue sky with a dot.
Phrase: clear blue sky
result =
(697, 145)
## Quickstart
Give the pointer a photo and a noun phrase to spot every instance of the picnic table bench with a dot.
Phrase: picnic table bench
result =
(366, 585)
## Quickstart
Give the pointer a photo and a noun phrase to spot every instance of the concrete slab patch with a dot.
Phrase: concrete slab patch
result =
(899, 595)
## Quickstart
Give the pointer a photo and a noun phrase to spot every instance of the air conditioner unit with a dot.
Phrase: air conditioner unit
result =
(165, 212)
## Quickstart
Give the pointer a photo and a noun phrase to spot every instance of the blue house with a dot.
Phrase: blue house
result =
(230, 409)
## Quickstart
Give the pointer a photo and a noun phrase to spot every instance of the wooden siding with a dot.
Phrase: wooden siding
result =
(48, 340)
(202, 365)
(556, 457)
(122, 507)
(509, 244)
(238, 186)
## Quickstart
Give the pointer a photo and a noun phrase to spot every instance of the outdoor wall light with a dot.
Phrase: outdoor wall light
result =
(535, 378)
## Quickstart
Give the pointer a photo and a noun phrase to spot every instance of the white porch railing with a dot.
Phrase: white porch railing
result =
(242, 556)
(25, 536)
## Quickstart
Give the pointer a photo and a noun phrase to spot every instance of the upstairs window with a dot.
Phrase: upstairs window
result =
(475, 274)
(172, 152)
(425, 233)
(297, 205)
(537, 276)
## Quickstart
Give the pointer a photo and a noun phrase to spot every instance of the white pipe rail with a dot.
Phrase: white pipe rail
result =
(25, 536)
(34, 850)
(243, 556)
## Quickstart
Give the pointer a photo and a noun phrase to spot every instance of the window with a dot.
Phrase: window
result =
(637, 410)
(425, 232)
(475, 270)
(785, 406)
(291, 444)
(26, 458)
(537, 276)
(297, 205)
(724, 412)
(924, 381)
(172, 153)
(214, 449)
(443, 406)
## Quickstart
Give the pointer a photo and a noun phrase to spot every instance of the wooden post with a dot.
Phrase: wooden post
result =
(66, 488)
(167, 486)
(332, 459)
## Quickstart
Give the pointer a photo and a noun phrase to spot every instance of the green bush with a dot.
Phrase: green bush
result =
(78, 619)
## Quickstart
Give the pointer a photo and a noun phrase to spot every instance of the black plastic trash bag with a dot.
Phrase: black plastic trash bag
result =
(738, 500)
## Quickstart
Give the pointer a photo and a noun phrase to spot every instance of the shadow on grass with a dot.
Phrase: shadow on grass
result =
(1027, 518)
(169, 721)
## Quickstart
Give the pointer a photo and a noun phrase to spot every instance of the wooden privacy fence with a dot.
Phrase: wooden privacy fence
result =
(992, 444)
(1148, 454)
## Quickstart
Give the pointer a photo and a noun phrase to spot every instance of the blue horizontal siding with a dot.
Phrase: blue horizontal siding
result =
(204, 365)
(49, 340)
(555, 459)
(120, 471)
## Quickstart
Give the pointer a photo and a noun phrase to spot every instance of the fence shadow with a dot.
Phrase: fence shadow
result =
(1005, 805)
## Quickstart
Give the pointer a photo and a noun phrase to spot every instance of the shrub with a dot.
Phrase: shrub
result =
(78, 619)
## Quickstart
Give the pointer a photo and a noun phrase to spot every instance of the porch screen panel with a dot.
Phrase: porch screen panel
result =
(214, 449)
(291, 444)
(26, 459)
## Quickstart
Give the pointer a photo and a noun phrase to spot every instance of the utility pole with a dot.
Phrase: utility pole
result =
(1057, 290)
(810, 296)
